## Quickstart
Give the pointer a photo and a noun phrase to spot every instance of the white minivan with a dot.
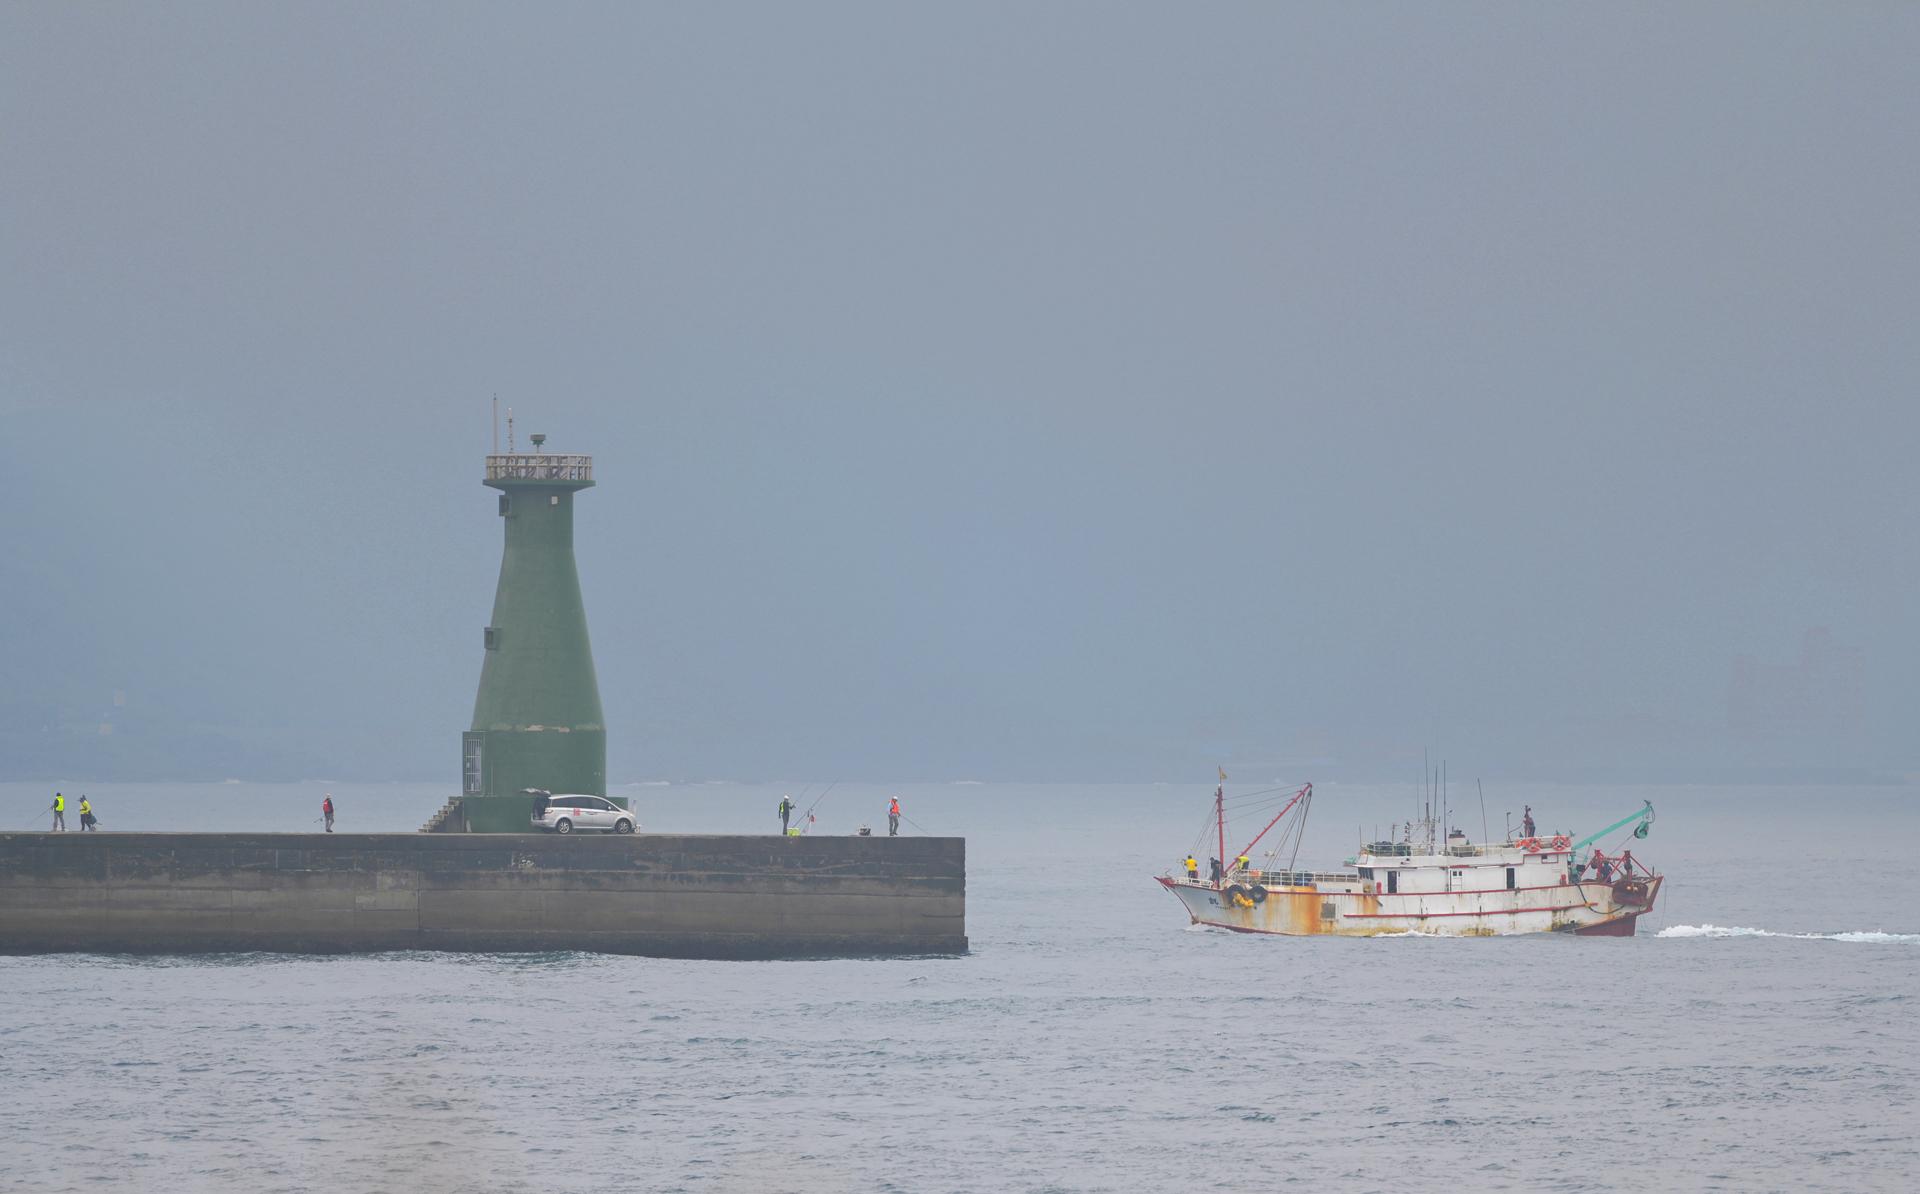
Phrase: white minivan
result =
(566, 812)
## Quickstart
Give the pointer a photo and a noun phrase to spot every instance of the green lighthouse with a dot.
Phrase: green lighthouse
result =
(536, 721)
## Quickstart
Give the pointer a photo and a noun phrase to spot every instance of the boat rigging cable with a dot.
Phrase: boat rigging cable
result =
(1245, 803)
(1250, 805)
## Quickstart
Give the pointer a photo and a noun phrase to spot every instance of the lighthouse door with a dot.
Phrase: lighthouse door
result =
(473, 749)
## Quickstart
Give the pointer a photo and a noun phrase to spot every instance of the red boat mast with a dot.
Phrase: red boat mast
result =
(1220, 821)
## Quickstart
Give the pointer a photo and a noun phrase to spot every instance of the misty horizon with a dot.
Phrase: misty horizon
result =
(993, 394)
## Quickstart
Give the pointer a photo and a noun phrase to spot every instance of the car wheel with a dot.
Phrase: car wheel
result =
(623, 826)
(563, 826)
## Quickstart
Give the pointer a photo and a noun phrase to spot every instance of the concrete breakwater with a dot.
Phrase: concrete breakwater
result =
(667, 895)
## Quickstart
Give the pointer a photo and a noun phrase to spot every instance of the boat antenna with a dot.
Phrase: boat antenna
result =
(1483, 812)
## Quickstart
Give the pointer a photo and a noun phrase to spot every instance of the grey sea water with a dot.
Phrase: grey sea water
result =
(1763, 1033)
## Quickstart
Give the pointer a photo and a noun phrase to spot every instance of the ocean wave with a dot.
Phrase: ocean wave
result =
(1872, 937)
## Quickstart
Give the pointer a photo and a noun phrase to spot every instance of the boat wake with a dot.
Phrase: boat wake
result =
(1873, 938)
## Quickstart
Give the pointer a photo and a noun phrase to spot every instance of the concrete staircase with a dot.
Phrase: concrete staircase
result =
(447, 820)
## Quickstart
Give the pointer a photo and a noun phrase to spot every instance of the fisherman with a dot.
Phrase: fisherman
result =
(87, 819)
(1526, 822)
(1213, 869)
(786, 810)
(59, 814)
(1193, 867)
(893, 817)
(1242, 864)
(1603, 870)
(326, 811)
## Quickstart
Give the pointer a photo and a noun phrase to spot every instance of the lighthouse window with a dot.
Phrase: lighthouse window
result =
(553, 500)
(493, 638)
(504, 503)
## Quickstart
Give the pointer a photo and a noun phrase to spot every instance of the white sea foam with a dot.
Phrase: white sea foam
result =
(1876, 938)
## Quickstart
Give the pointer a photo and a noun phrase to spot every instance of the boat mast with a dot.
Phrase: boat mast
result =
(1220, 823)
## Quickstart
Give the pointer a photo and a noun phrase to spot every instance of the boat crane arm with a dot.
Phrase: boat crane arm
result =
(1644, 816)
(1284, 809)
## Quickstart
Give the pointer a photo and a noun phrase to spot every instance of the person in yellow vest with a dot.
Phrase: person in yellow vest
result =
(87, 819)
(1242, 864)
(59, 813)
(1193, 867)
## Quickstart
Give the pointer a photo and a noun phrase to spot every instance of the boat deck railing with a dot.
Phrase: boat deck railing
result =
(1480, 850)
(1293, 878)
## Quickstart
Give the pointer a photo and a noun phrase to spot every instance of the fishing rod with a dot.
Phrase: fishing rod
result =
(806, 819)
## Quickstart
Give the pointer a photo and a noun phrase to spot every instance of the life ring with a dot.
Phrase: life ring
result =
(1528, 843)
(1561, 842)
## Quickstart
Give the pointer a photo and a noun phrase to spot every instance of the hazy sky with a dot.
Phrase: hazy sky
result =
(1020, 391)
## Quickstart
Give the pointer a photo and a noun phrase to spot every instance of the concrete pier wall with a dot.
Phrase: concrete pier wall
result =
(665, 895)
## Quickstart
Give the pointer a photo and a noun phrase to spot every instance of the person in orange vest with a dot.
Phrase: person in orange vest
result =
(893, 817)
(326, 811)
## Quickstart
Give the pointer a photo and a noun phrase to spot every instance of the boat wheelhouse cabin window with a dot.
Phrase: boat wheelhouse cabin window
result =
(1509, 878)
(1393, 882)
(1366, 872)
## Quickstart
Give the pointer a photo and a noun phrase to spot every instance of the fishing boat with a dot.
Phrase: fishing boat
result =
(1423, 878)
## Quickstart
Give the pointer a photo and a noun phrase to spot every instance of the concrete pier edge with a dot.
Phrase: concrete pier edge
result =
(663, 895)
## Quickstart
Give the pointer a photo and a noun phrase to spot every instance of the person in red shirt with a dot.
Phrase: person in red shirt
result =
(326, 811)
(893, 817)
